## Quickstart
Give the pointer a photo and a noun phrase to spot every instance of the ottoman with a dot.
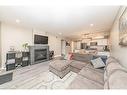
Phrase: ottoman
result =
(59, 67)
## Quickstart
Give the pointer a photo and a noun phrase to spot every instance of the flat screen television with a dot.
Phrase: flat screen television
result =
(39, 39)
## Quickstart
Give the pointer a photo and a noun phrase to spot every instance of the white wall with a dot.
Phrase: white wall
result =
(0, 47)
(116, 50)
(12, 35)
(72, 46)
(78, 45)
(55, 44)
(75, 46)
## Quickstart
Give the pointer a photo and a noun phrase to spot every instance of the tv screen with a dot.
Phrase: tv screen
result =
(39, 39)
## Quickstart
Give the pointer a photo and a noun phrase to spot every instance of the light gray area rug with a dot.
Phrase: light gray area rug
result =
(38, 77)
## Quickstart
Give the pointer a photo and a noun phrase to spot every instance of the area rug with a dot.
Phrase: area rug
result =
(38, 77)
(51, 81)
(39, 80)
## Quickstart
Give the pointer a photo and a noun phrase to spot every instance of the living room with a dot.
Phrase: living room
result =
(77, 43)
(24, 35)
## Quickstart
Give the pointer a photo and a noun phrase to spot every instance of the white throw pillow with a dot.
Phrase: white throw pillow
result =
(98, 63)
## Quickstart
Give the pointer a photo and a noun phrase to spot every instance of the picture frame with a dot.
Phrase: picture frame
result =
(123, 28)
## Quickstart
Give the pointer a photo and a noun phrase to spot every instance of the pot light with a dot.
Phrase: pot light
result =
(91, 25)
(60, 33)
(17, 21)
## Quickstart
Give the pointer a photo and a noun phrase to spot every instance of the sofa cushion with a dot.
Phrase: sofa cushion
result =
(81, 82)
(112, 64)
(101, 70)
(113, 76)
(111, 67)
(111, 59)
(92, 74)
(60, 65)
(105, 75)
(118, 80)
(98, 63)
(77, 64)
(106, 85)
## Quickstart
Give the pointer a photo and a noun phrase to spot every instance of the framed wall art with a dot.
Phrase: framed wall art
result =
(123, 28)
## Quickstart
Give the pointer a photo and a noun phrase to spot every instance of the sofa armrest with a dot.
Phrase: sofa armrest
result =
(5, 77)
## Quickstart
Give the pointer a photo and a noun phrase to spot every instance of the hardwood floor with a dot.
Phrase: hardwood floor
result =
(38, 77)
(26, 77)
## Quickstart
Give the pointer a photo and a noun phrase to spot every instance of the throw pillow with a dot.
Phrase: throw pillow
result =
(68, 56)
(98, 63)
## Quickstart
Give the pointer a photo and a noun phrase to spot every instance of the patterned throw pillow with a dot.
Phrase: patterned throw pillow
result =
(98, 63)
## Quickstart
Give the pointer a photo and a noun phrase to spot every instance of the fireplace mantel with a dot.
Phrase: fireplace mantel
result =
(33, 50)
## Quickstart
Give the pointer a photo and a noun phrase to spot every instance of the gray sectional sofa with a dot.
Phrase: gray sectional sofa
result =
(88, 78)
(82, 57)
(113, 76)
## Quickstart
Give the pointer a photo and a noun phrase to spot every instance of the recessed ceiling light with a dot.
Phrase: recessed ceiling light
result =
(91, 24)
(17, 21)
(60, 33)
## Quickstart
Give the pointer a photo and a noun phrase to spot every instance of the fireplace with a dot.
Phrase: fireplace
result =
(39, 53)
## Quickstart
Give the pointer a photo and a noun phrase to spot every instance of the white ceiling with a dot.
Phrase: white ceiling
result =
(71, 21)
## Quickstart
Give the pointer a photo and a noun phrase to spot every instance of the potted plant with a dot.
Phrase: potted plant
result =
(25, 46)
